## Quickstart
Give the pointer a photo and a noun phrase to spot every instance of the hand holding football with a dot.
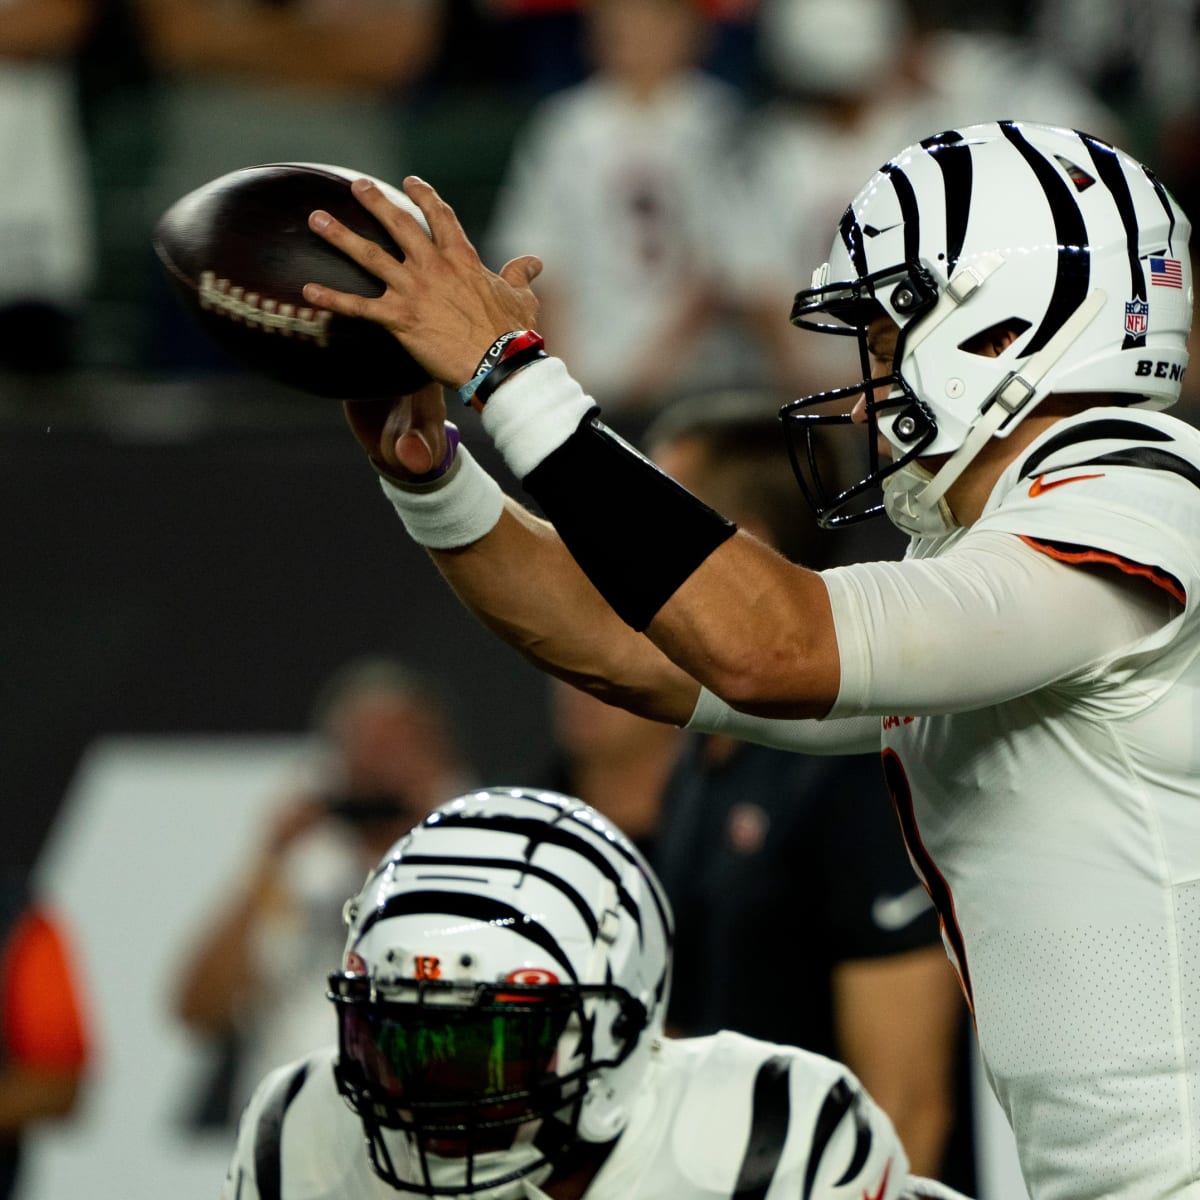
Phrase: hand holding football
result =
(239, 251)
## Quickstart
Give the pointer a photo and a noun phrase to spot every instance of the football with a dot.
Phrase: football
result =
(238, 250)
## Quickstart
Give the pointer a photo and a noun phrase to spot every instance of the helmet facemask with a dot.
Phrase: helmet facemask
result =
(468, 1072)
(808, 421)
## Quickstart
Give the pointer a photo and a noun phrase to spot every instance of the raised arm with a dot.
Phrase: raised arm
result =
(523, 584)
(724, 610)
(520, 580)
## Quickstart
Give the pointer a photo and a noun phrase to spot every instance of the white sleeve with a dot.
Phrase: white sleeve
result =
(852, 1148)
(261, 1127)
(850, 735)
(989, 620)
(240, 1182)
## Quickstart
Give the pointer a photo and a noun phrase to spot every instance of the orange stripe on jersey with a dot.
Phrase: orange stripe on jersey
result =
(1038, 486)
(934, 882)
(1162, 579)
(43, 1023)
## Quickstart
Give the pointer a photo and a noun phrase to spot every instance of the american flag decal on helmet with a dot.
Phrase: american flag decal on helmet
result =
(1166, 272)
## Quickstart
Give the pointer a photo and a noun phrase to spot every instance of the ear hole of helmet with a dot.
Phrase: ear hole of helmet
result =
(628, 1023)
(995, 339)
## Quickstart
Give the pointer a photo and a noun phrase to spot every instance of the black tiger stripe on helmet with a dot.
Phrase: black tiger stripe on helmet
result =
(1073, 280)
(1108, 170)
(1016, 260)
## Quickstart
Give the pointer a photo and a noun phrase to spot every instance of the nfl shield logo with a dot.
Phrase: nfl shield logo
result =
(1137, 317)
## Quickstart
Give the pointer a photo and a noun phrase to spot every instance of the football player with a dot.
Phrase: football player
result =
(499, 1014)
(1021, 299)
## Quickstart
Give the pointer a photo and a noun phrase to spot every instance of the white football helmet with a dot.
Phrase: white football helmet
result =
(1048, 233)
(505, 975)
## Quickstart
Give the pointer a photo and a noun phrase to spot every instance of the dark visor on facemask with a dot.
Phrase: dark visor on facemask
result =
(430, 1052)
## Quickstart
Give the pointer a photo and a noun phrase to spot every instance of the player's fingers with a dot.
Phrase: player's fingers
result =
(369, 255)
(367, 419)
(444, 226)
(414, 436)
(414, 452)
(427, 406)
(346, 303)
(407, 232)
(521, 272)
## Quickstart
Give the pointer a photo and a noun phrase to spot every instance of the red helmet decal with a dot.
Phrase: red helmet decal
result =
(427, 966)
(537, 975)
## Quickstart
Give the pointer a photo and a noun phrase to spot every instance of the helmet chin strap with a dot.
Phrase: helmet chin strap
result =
(447, 1176)
(1010, 396)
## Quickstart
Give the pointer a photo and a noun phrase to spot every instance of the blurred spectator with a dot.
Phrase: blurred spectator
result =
(254, 979)
(46, 217)
(772, 856)
(348, 46)
(255, 81)
(543, 42)
(617, 185)
(612, 759)
(45, 1051)
(1140, 59)
(1144, 61)
(850, 81)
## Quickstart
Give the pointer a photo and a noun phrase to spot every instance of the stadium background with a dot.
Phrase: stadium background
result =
(188, 555)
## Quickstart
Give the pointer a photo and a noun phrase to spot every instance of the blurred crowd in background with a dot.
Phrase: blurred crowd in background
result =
(678, 164)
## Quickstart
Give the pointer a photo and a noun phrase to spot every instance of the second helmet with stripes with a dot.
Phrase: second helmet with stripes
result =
(506, 972)
(1009, 261)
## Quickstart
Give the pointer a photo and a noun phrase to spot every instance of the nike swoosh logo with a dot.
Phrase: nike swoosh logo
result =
(882, 1184)
(1038, 486)
(894, 912)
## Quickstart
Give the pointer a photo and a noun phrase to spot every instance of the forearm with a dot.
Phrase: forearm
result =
(219, 973)
(755, 629)
(726, 610)
(724, 607)
(523, 584)
(897, 1022)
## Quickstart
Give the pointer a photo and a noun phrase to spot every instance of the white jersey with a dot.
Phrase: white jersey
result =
(1058, 828)
(624, 203)
(718, 1117)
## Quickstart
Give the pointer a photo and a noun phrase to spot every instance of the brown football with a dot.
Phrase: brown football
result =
(238, 251)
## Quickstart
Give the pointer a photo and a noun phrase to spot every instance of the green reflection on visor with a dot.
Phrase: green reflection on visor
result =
(433, 1051)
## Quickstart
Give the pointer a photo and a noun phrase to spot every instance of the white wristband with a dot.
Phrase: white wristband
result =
(455, 510)
(534, 412)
